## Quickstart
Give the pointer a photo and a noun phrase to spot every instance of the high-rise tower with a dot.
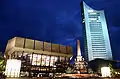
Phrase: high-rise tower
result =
(96, 38)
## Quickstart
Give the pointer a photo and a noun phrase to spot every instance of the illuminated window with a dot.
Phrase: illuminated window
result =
(90, 10)
(52, 60)
(47, 60)
(30, 56)
(62, 58)
(19, 54)
(34, 59)
(93, 13)
(105, 72)
(39, 60)
(13, 68)
(43, 60)
(55, 60)
(92, 18)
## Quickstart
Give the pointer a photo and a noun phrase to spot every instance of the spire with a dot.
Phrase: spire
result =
(78, 48)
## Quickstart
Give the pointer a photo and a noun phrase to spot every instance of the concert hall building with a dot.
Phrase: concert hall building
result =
(37, 57)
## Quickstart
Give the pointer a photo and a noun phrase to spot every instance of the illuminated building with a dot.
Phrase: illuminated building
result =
(37, 57)
(96, 38)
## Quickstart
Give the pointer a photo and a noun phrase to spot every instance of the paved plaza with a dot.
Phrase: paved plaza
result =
(30, 78)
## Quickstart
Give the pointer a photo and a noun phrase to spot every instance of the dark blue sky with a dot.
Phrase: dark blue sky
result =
(57, 21)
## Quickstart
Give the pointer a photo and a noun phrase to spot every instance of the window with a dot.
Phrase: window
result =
(34, 61)
(47, 60)
(38, 59)
(43, 60)
(52, 60)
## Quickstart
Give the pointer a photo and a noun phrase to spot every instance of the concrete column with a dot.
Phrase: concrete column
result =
(78, 48)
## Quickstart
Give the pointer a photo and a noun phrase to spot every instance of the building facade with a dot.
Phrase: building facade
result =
(96, 38)
(36, 56)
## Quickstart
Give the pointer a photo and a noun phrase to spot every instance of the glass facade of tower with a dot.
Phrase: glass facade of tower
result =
(96, 38)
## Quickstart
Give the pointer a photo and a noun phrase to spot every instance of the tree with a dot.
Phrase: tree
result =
(112, 71)
(2, 64)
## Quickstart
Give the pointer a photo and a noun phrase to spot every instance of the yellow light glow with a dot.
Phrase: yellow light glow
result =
(13, 68)
(105, 71)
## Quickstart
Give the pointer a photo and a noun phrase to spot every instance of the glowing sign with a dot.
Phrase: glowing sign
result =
(105, 71)
(13, 68)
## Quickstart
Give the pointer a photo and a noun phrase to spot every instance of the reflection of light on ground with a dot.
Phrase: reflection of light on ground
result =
(80, 75)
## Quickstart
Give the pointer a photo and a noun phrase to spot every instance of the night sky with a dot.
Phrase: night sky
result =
(57, 21)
